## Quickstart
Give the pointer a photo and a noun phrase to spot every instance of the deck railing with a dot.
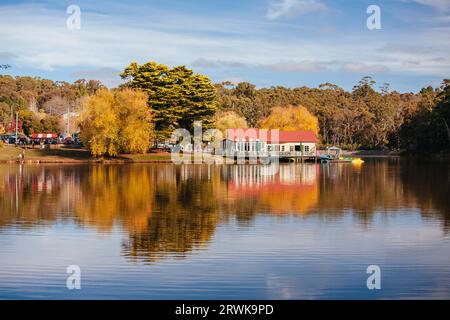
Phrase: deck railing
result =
(263, 154)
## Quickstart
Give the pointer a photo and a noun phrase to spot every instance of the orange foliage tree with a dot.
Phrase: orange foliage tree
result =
(291, 118)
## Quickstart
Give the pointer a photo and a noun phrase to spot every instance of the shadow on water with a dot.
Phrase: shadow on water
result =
(68, 153)
(168, 210)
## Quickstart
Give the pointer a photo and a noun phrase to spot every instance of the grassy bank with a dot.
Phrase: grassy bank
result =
(66, 154)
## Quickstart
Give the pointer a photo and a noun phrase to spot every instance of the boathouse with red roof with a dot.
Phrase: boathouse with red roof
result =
(259, 140)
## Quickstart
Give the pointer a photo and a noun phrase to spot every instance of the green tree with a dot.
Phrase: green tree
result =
(38, 123)
(177, 96)
(364, 88)
(443, 109)
(425, 129)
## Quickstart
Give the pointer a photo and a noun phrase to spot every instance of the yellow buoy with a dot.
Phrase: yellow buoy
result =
(357, 161)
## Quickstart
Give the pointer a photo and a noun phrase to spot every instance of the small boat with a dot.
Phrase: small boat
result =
(325, 158)
(334, 154)
(345, 159)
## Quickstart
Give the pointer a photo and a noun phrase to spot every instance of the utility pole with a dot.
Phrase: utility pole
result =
(68, 115)
(12, 118)
(17, 126)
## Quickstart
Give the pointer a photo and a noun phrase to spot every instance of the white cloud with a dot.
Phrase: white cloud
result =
(206, 63)
(437, 4)
(296, 66)
(291, 8)
(37, 37)
(281, 66)
(359, 67)
(234, 79)
(5, 55)
(108, 76)
(444, 19)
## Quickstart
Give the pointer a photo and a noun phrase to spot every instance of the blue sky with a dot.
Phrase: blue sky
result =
(266, 42)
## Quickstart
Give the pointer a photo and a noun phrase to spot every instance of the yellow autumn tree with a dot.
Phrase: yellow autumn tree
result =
(228, 120)
(291, 118)
(137, 129)
(100, 124)
(224, 120)
(116, 121)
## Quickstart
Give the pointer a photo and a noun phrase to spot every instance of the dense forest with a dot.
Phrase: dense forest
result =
(368, 117)
(363, 118)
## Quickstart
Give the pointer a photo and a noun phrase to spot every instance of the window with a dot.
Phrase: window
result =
(306, 148)
(262, 146)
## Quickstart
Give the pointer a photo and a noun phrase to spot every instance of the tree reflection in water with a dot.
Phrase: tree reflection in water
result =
(172, 210)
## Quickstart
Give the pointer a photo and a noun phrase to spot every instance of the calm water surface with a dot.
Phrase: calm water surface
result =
(161, 231)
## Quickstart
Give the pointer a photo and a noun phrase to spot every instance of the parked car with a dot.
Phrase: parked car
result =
(165, 146)
(68, 140)
(4, 138)
(11, 139)
(23, 140)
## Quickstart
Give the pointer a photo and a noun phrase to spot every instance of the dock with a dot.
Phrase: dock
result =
(287, 156)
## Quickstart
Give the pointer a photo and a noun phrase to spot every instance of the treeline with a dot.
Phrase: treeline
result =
(363, 118)
(427, 128)
(367, 117)
(40, 102)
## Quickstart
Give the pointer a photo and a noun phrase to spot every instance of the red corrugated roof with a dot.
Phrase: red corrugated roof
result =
(270, 136)
(43, 135)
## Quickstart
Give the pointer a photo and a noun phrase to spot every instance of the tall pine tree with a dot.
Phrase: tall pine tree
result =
(177, 96)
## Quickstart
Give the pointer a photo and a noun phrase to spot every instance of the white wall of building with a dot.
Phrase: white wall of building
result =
(255, 146)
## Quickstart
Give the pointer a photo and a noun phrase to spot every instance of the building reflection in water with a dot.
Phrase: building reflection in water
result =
(294, 189)
(166, 209)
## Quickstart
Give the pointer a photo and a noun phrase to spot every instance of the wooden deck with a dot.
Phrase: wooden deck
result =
(292, 156)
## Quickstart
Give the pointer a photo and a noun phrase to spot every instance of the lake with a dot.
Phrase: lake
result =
(161, 231)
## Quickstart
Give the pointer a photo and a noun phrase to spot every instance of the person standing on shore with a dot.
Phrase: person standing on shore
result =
(22, 156)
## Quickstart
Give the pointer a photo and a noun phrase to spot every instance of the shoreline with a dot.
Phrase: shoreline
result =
(44, 160)
(92, 161)
(10, 155)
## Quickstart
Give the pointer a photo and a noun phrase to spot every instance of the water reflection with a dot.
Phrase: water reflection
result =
(429, 183)
(173, 210)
